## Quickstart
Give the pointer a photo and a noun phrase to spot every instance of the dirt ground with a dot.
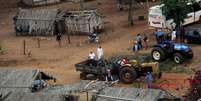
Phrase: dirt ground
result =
(116, 39)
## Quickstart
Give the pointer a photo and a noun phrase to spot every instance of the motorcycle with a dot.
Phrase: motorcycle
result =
(93, 38)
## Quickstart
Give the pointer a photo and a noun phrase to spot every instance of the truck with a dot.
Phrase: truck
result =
(127, 73)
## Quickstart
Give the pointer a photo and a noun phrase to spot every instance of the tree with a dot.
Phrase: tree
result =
(176, 10)
(119, 5)
(130, 13)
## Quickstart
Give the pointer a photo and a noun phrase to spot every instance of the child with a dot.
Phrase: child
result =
(136, 46)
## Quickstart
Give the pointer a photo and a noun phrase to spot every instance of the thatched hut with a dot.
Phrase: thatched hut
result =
(35, 22)
(83, 21)
(38, 2)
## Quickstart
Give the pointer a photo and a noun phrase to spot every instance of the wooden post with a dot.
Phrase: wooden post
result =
(69, 39)
(38, 40)
(24, 47)
(87, 96)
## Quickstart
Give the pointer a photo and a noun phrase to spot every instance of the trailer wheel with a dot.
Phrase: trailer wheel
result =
(83, 76)
(158, 54)
(128, 74)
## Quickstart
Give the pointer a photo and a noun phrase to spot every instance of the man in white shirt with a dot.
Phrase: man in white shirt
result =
(91, 57)
(173, 38)
(99, 52)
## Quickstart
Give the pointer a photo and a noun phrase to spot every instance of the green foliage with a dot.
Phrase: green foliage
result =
(176, 10)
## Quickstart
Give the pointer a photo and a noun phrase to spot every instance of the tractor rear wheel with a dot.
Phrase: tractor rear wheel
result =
(178, 58)
(158, 54)
(83, 76)
(128, 74)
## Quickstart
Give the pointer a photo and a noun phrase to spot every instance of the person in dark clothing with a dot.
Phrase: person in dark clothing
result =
(159, 36)
(59, 31)
(58, 38)
(109, 76)
(139, 41)
(182, 33)
(149, 79)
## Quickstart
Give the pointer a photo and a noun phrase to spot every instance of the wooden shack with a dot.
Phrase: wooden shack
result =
(35, 22)
(38, 2)
(83, 22)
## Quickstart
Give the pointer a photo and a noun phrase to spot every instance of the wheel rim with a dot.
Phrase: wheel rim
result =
(127, 75)
(176, 59)
(156, 55)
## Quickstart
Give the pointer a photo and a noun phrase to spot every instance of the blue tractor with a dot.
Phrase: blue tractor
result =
(168, 49)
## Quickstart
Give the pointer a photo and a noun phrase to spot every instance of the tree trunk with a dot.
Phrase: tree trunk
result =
(82, 5)
(130, 13)
(119, 5)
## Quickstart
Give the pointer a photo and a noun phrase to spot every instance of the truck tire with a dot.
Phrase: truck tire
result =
(158, 54)
(128, 74)
(178, 58)
(83, 76)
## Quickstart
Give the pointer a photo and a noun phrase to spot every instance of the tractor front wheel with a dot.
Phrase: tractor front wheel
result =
(158, 54)
(128, 74)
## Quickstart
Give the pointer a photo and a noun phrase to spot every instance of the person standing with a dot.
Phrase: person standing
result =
(149, 79)
(139, 41)
(135, 47)
(100, 53)
(91, 58)
(58, 38)
(159, 35)
(173, 35)
(145, 39)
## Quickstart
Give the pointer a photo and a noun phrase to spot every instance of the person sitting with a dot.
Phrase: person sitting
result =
(91, 58)
(124, 61)
(109, 76)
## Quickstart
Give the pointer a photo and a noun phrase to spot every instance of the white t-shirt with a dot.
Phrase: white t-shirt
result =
(99, 53)
(173, 35)
(92, 56)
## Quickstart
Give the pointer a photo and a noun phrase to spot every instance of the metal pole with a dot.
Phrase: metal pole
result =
(38, 43)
